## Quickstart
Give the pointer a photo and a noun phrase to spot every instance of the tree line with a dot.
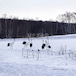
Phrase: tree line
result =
(14, 28)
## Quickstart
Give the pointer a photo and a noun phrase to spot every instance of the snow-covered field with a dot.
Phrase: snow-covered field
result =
(20, 59)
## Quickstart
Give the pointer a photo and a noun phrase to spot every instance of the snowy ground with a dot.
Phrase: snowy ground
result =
(21, 60)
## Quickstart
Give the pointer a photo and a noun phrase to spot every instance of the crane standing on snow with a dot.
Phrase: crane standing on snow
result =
(11, 44)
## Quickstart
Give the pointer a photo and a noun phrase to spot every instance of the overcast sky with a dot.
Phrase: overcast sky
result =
(41, 9)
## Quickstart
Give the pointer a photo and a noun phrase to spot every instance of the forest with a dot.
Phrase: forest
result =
(15, 28)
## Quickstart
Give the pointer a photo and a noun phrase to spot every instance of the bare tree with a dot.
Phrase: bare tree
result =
(4, 16)
(67, 17)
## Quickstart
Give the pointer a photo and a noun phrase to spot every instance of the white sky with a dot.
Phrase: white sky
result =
(41, 9)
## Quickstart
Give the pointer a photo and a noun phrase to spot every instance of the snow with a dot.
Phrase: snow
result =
(23, 60)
